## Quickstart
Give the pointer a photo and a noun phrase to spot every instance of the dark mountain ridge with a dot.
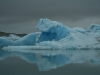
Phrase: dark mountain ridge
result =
(7, 34)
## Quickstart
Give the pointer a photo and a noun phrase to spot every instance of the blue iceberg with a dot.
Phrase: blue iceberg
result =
(94, 28)
(55, 35)
(29, 39)
(52, 30)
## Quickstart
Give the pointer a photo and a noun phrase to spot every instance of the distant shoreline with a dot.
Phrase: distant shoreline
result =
(7, 34)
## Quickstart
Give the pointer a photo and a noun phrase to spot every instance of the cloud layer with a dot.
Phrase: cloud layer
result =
(26, 13)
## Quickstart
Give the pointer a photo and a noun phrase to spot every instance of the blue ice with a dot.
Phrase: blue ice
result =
(55, 34)
(29, 39)
(52, 30)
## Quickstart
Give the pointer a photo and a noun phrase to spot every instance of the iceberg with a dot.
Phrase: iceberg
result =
(12, 37)
(5, 42)
(55, 45)
(81, 30)
(29, 39)
(94, 28)
(52, 30)
(55, 35)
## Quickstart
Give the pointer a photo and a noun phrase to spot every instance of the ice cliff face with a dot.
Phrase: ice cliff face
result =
(68, 38)
(52, 30)
(55, 35)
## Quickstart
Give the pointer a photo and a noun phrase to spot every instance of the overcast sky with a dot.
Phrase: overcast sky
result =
(21, 16)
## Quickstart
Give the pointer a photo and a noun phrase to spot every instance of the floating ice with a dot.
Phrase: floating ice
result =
(81, 30)
(29, 39)
(5, 42)
(60, 45)
(55, 35)
(52, 30)
(12, 37)
(94, 28)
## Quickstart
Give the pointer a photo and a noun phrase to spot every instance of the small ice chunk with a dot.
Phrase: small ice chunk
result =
(81, 30)
(29, 39)
(14, 37)
(94, 28)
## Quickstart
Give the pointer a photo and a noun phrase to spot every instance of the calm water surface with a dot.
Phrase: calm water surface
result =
(50, 62)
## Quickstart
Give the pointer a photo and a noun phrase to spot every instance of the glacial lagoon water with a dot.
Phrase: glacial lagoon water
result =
(50, 62)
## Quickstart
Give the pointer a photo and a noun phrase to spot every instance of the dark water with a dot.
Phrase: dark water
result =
(50, 62)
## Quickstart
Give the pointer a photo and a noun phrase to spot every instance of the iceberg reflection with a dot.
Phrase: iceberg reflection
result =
(51, 59)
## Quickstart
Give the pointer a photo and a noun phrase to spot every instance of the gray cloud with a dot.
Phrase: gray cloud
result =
(49, 7)
(14, 13)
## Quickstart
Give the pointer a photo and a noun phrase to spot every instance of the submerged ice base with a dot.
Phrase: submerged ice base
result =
(55, 35)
